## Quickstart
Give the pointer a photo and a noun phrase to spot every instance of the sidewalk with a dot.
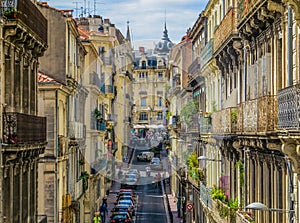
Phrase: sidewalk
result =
(171, 206)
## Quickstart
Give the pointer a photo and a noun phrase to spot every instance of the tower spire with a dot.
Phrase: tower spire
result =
(128, 32)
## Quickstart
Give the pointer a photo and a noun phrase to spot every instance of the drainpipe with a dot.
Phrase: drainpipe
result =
(57, 154)
(245, 72)
(291, 189)
(290, 48)
(1, 140)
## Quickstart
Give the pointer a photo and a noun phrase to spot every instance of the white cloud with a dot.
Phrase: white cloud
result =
(146, 17)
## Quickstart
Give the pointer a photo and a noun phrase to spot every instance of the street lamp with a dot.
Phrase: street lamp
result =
(262, 207)
(204, 158)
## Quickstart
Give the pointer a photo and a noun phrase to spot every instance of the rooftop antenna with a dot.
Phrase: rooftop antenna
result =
(95, 6)
(76, 8)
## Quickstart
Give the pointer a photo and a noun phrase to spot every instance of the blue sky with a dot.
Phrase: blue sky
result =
(146, 17)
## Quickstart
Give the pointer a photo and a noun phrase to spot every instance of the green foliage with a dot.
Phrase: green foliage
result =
(97, 114)
(188, 111)
(234, 114)
(193, 161)
(218, 194)
(240, 166)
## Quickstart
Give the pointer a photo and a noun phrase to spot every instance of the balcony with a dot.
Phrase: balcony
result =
(222, 213)
(79, 189)
(23, 129)
(108, 89)
(77, 130)
(95, 80)
(205, 196)
(289, 108)
(227, 27)
(194, 68)
(25, 12)
(207, 53)
(224, 121)
(205, 124)
(245, 7)
(111, 118)
(258, 115)
(101, 126)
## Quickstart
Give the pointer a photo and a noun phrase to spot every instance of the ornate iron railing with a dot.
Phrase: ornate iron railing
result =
(243, 217)
(224, 121)
(77, 130)
(258, 115)
(289, 108)
(94, 79)
(205, 195)
(194, 68)
(205, 125)
(207, 53)
(23, 128)
(27, 12)
(227, 27)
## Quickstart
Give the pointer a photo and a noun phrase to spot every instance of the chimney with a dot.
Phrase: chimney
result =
(142, 49)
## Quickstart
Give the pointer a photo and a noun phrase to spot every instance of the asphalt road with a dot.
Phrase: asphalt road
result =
(150, 204)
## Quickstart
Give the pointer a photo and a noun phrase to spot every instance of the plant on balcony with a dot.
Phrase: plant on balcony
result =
(218, 194)
(84, 176)
(12, 13)
(97, 114)
(188, 111)
(234, 114)
(81, 162)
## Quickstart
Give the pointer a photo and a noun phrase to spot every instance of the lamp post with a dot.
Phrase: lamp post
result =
(204, 158)
(262, 207)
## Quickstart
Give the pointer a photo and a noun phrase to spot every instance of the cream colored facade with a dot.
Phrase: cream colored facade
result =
(63, 180)
(250, 62)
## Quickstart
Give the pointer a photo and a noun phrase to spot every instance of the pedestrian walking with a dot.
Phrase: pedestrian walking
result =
(96, 218)
(103, 212)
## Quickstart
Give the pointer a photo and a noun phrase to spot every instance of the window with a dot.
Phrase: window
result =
(143, 64)
(143, 116)
(143, 102)
(159, 116)
(160, 74)
(159, 103)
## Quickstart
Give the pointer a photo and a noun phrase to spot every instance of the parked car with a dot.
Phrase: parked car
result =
(126, 197)
(155, 164)
(130, 181)
(135, 171)
(129, 203)
(120, 217)
(145, 156)
(121, 208)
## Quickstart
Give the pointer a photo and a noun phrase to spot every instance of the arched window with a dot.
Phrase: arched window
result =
(143, 64)
(143, 102)
(159, 103)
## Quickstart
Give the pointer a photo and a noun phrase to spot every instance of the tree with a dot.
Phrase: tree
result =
(188, 112)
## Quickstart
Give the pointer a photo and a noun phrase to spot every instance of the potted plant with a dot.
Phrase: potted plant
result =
(97, 114)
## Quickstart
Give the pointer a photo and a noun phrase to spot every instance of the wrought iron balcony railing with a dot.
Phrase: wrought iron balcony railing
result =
(77, 130)
(227, 27)
(205, 195)
(205, 124)
(289, 108)
(26, 12)
(95, 80)
(207, 53)
(194, 68)
(224, 121)
(258, 115)
(23, 128)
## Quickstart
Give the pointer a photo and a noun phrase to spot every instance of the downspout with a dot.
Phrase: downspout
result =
(245, 72)
(290, 48)
(57, 154)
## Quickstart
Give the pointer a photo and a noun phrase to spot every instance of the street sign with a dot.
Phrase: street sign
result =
(189, 206)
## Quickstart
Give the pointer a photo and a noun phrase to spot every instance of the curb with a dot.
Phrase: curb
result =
(166, 202)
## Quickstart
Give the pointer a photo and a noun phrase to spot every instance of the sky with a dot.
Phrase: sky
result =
(146, 17)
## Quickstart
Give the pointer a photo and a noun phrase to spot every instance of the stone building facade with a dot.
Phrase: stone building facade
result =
(23, 132)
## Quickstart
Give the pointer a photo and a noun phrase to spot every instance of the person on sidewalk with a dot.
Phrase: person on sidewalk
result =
(103, 212)
(96, 218)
